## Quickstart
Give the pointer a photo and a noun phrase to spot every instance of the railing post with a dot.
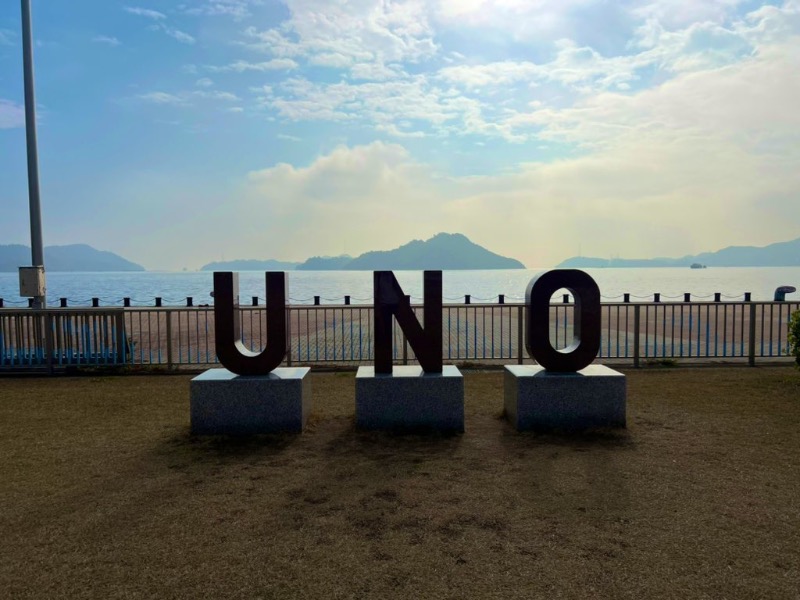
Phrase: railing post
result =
(520, 340)
(49, 342)
(289, 336)
(405, 350)
(636, 321)
(122, 348)
(751, 351)
(169, 338)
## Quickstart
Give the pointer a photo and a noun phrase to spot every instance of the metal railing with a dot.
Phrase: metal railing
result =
(476, 333)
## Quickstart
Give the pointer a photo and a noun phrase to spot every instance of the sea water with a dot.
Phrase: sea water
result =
(333, 286)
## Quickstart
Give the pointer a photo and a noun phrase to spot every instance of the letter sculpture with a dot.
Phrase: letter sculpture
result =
(231, 352)
(426, 342)
(586, 337)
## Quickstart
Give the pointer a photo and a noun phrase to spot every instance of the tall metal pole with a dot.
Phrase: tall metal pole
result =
(37, 245)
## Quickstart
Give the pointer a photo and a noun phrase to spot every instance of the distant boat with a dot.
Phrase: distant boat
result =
(697, 266)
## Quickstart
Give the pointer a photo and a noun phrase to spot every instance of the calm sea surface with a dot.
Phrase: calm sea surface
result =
(332, 286)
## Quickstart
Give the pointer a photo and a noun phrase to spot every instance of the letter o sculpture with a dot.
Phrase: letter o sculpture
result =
(586, 337)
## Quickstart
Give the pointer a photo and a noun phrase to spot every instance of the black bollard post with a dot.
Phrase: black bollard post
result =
(158, 302)
(189, 301)
(626, 298)
(656, 297)
(63, 302)
(687, 297)
(467, 299)
(95, 302)
(347, 300)
(717, 297)
(501, 299)
(747, 296)
(565, 299)
(126, 302)
(255, 300)
(316, 300)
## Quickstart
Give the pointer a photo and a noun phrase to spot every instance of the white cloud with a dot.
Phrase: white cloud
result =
(240, 66)
(238, 9)
(185, 98)
(368, 191)
(12, 115)
(159, 24)
(216, 95)
(204, 82)
(146, 12)
(105, 39)
(162, 98)
(182, 37)
(340, 35)
(413, 99)
(753, 101)
(675, 13)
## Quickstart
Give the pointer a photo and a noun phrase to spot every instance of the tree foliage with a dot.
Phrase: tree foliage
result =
(794, 336)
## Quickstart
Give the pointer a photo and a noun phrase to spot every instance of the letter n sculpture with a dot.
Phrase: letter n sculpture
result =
(252, 394)
(427, 396)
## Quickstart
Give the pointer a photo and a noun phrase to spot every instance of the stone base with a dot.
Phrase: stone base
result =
(545, 400)
(222, 402)
(410, 399)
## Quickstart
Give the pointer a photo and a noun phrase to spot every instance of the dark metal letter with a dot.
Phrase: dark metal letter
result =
(586, 337)
(390, 301)
(228, 334)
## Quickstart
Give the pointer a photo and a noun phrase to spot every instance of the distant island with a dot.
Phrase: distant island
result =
(445, 251)
(73, 257)
(781, 254)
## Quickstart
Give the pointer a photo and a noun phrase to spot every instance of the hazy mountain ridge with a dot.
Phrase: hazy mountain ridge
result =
(445, 251)
(72, 257)
(326, 263)
(780, 254)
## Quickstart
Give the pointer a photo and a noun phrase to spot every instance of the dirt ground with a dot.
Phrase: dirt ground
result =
(105, 494)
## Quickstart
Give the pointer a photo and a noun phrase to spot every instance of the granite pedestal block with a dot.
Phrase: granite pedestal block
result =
(536, 399)
(410, 399)
(222, 402)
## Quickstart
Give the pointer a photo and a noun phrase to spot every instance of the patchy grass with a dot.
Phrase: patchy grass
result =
(105, 495)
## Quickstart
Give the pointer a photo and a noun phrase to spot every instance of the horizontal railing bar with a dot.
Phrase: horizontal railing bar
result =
(341, 334)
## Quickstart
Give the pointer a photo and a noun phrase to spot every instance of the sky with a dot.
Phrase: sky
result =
(176, 133)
